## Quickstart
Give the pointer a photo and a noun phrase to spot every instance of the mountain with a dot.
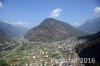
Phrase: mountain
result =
(52, 29)
(21, 29)
(90, 49)
(2, 36)
(11, 30)
(91, 26)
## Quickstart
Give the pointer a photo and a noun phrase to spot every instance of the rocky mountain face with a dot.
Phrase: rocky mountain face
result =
(52, 29)
(11, 30)
(2, 36)
(91, 26)
(90, 49)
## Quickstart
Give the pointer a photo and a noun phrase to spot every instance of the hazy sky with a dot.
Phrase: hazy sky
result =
(30, 13)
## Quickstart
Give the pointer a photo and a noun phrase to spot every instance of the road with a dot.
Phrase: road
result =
(13, 50)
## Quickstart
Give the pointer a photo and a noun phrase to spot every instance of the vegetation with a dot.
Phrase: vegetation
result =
(4, 63)
(40, 53)
(90, 49)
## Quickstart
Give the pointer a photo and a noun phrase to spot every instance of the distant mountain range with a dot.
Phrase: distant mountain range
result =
(11, 30)
(91, 26)
(52, 29)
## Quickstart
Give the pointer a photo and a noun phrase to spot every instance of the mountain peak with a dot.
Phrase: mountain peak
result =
(49, 20)
(91, 26)
(52, 29)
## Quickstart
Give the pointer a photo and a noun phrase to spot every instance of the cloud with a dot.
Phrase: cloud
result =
(1, 4)
(55, 13)
(97, 11)
(20, 23)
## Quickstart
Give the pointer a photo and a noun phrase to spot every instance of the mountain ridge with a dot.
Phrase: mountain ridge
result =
(52, 29)
(91, 26)
(10, 30)
(3, 36)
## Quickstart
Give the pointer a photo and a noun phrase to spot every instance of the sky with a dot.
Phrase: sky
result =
(30, 13)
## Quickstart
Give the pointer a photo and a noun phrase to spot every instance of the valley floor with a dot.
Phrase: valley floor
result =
(53, 53)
